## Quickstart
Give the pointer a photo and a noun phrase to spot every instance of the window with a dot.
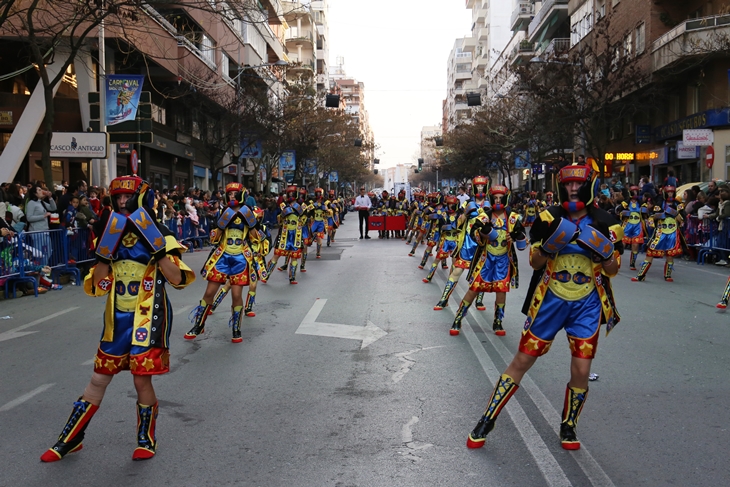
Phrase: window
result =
(463, 68)
(615, 2)
(628, 46)
(640, 39)
(207, 47)
(600, 9)
(583, 23)
(693, 98)
(225, 66)
(158, 114)
(673, 107)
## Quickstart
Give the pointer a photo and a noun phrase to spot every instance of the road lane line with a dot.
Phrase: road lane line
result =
(88, 362)
(596, 475)
(17, 402)
(182, 310)
(16, 332)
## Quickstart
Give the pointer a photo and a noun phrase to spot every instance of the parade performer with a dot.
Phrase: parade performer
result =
(319, 220)
(466, 245)
(381, 209)
(401, 209)
(135, 259)
(549, 199)
(449, 235)
(436, 216)
(530, 210)
(725, 296)
(633, 215)
(333, 218)
(574, 251)
(289, 241)
(238, 245)
(307, 235)
(416, 207)
(493, 268)
(424, 224)
(668, 240)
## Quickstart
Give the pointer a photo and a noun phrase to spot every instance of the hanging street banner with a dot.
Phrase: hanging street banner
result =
(122, 97)
(288, 161)
(251, 149)
(311, 165)
(334, 177)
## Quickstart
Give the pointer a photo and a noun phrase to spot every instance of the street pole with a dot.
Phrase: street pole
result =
(103, 163)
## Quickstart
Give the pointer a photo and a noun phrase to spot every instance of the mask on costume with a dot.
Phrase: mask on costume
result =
(302, 194)
(587, 191)
(549, 197)
(434, 199)
(503, 192)
(401, 195)
(634, 191)
(331, 195)
(319, 193)
(668, 193)
(238, 198)
(291, 193)
(452, 204)
(142, 195)
(480, 187)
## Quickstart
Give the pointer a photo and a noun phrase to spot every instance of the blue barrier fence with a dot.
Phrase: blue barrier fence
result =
(708, 237)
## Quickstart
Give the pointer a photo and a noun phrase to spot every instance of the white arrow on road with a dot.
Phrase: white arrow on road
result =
(309, 326)
(16, 333)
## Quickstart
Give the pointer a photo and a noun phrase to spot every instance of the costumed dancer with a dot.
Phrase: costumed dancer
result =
(319, 221)
(424, 225)
(725, 296)
(574, 251)
(449, 236)
(549, 199)
(494, 266)
(401, 209)
(237, 244)
(530, 210)
(289, 241)
(668, 240)
(633, 214)
(416, 207)
(307, 235)
(135, 259)
(333, 218)
(435, 215)
(466, 245)
(381, 209)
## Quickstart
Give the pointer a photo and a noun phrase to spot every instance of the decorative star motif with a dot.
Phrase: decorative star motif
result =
(133, 364)
(148, 364)
(572, 344)
(159, 242)
(104, 251)
(532, 344)
(587, 349)
(97, 362)
(129, 240)
(124, 363)
(110, 364)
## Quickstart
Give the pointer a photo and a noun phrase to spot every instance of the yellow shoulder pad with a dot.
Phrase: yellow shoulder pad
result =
(546, 216)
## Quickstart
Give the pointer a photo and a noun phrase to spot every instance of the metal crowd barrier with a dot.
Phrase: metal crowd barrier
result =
(708, 237)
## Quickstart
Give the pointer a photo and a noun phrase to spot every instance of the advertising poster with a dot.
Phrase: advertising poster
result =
(122, 97)
(288, 161)
(251, 149)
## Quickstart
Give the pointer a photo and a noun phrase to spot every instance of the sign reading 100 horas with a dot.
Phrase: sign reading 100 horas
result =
(84, 145)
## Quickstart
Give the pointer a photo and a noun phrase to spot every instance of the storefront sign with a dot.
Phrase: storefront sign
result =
(643, 134)
(6, 117)
(698, 137)
(687, 151)
(706, 119)
(618, 156)
(648, 156)
(86, 145)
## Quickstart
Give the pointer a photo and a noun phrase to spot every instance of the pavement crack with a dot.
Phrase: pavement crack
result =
(412, 447)
(407, 363)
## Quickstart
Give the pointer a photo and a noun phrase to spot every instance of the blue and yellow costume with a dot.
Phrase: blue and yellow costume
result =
(435, 214)
(138, 313)
(289, 240)
(633, 215)
(333, 216)
(414, 218)
(571, 291)
(531, 209)
(494, 265)
(449, 234)
(466, 246)
(668, 240)
(319, 219)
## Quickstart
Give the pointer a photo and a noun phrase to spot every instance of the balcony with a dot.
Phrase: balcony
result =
(555, 49)
(522, 53)
(482, 60)
(522, 15)
(483, 34)
(296, 36)
(695, 37)
(548, 19)
(469, 44)
(301, 65)
(481, 15)
(469, 3)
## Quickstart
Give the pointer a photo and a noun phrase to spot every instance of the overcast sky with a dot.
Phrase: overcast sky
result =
(399, 49)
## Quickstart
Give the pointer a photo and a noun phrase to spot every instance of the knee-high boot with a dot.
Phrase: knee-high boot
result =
(219, 297)
(574, 400)
(668, 268)
(504, 389)
(293, 272)
(319, 250)
(444, 302)
(426, 255)
(146, 438)
(304, 260)
(235, 324)
(498, 317)
(434, 266)
(480, 302)
(632, 262)
(413, 249)
(69, 441)
(272, 264)
(642, 272)
(250, 300)
(725, 295)
(200, 314)
(460, 313)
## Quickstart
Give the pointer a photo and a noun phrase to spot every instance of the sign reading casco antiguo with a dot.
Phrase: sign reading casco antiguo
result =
(87, 145)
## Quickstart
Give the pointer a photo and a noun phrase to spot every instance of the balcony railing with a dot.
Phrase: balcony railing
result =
(295, 35)
(524, 9)
(547, 7)
(556, 47)
(691, 25)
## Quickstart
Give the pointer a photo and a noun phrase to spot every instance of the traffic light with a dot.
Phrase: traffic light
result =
(375, 171)
(420, 165)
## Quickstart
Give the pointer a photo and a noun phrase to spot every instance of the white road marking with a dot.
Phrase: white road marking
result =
(309, 326)
(16, 332)
(88, 362)
(17, 402)
(183, 310)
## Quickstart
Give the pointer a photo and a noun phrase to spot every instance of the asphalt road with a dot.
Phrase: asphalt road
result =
(295, 409)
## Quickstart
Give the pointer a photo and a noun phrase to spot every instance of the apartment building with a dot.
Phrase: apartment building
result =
(185, 49)
(459, 82)
(320, 10)
(490, 32)
(428, 145)
(300, 40)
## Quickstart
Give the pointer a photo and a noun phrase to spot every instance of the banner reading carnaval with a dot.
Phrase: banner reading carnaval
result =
(122, 97)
